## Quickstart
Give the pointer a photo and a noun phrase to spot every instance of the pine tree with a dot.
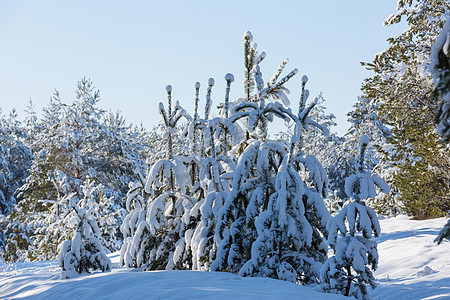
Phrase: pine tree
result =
(84, 252)
(439, 68)
(77, 141)
(15, 159)
(159, 240)
(215, 174)
(269, 223)
(347, 272)
(402, 88)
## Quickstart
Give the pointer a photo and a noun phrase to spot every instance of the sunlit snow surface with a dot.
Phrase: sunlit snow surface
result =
(411, 267)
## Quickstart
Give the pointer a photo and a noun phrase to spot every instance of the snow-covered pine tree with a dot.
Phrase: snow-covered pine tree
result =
(15, 159)
(219, 135)
(159, 240)
(348, 272)
(216, 173)
(265, 208)
(58, 222)
(81, 141)
(402, 87)
(84, 252)
(257, 166)
(440, 70)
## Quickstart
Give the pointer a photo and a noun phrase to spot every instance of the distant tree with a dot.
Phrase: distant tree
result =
(77, 141)
(15, 159)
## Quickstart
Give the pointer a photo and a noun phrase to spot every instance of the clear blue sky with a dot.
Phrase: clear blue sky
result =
(133, 49)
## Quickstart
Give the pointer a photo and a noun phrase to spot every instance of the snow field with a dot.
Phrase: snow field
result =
(411, 266)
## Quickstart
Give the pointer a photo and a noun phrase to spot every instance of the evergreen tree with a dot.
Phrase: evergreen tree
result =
(159, 241)
(347, 272)
(270, 222)
(15, 159)
(439, 68)
(76, 141)
(402, 87)
(84, 252)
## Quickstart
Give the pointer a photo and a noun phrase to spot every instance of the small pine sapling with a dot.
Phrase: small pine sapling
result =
(281, 249)
(136, 205)
(84, 252)
(216, 172)
(348, 272)
(252, 186)
(159, 241)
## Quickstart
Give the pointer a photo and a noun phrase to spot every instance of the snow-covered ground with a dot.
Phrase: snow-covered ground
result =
(411, 267)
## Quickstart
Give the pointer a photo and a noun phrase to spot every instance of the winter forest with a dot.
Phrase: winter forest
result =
(212, 188)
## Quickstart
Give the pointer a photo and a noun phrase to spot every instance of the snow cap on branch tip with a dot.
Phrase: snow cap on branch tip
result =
(286, 60)
(248, 36)
(211, 81)
(229, 77)
(294, 72)
(304, 79)
(197, 85)
(364, 140)
(306, 94)
(169, 88)
(161, 106)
